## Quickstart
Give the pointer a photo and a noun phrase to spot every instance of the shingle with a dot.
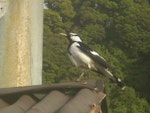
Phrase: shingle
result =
(81, 102)
(73, 97)
(22, 105)
(53, 101)
(3, 104)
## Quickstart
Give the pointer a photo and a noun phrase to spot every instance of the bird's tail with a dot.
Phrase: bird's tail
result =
(113, 78)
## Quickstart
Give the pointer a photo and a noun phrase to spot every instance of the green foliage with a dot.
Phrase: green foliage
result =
(130, 102)
(96, 36)
(118, 30)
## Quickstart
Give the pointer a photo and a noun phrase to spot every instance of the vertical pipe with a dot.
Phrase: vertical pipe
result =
(36, 41)
(21, 43)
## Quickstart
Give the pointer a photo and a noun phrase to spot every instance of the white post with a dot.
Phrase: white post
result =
(21, 29)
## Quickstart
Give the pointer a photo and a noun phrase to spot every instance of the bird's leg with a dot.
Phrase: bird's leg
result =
(79, 79)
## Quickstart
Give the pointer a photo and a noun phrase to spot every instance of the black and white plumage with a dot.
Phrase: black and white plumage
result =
(83, 56)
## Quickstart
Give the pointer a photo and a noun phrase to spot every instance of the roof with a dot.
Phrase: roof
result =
(72, 97)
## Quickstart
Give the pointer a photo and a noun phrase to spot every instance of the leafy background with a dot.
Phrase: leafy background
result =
(118, 30)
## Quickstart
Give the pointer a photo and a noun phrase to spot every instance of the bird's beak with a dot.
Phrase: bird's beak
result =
(63, 34)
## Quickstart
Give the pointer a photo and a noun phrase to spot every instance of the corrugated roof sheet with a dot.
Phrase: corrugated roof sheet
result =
(73, 97)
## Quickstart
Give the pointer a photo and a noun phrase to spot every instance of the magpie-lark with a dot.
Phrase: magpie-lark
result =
(83, 56)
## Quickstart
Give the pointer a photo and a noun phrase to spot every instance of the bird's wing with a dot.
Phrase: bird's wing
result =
(92, 54)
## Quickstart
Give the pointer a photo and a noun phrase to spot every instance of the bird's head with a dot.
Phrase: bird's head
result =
(73, 37)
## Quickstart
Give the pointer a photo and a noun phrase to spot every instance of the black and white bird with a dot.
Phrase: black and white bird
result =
(83, 56)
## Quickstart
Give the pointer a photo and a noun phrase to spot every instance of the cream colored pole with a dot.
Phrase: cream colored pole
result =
(21, 29)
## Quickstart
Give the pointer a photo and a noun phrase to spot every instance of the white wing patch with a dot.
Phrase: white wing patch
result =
(94, 53)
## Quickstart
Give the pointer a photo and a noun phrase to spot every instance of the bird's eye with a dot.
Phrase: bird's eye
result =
(74, 35)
